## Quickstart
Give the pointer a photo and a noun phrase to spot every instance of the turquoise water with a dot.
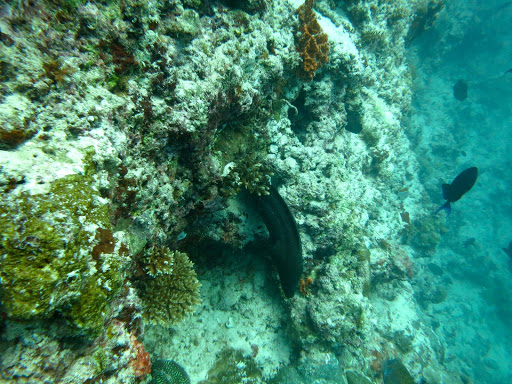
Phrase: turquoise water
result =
(470, 41)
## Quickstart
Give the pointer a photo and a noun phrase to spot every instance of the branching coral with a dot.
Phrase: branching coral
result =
(158, 261)
(169, 288)
(313, 45)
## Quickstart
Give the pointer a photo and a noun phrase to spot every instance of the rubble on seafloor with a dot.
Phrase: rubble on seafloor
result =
(133, 126)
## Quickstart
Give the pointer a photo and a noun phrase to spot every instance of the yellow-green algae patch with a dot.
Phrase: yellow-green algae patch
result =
(52, 258)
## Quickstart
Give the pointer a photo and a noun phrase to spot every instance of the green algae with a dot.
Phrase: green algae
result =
(47, 264)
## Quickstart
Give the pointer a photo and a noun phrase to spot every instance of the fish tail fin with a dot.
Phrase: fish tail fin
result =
(445, 188)
(445, 207)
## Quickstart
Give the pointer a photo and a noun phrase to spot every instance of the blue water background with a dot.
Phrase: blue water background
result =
(471, 40)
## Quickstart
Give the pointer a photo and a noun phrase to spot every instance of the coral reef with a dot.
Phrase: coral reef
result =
(312, 43)
(156, 261)
(357, 378)
(243, 159)
(324, 368)
(169, 289)
(141, 363)
(239, 300)
(37, 353)
(15, 127)
(233, 367)
(426, 233)
(186, 103)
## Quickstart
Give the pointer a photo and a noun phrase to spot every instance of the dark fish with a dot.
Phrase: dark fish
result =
(286, 247)
(435, 269)
(394, 372)
(508, 250)
(459, 186)
(471, 242)
(460, 90)
(509, 71)
(354, 123)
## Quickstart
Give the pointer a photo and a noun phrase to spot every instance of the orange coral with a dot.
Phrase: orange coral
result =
(141, 362)
(304, 283)
(313, 46)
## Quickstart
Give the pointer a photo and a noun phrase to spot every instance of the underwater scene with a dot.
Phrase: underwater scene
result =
(256, 191)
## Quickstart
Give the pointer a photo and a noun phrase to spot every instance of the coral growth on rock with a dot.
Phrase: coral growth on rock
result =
(52, 262)
(235, 368)
(45, 353)
(313, 45)
(339, 317)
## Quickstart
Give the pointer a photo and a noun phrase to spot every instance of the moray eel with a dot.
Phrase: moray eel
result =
(286, 248)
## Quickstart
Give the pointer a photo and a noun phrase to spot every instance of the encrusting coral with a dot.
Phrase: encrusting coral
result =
(313, 45)
(52, 263)
(168, 285)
